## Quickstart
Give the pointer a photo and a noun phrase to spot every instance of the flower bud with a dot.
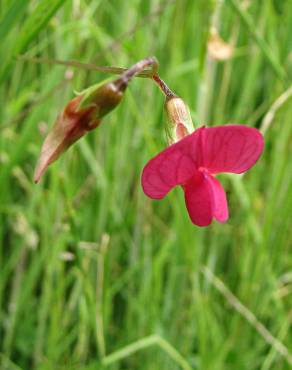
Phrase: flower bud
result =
(103, 98)
(84, 113)
(81, 115)
(179, 119)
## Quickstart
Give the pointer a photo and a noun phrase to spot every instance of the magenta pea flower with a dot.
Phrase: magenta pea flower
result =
(193, 162)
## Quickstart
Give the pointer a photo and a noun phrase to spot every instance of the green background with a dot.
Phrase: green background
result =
(93, 273)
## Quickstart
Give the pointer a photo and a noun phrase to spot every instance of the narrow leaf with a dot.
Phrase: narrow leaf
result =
(36, 22)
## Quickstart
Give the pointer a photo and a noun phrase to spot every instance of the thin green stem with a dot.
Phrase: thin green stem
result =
(6, 363)
(270, 115)
(247, 314)
(143, 344)
(88, 66)
(135, 71)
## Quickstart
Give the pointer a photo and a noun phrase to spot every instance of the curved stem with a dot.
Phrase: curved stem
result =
(122, 82)
(89, 66)
(140, 66)
(163, 87)
(137, 70)
(144, 343)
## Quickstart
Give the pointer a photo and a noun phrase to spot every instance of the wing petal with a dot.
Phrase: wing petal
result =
(230, 148)
(173, 166)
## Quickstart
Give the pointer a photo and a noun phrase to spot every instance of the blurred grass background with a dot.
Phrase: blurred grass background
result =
(94, 274)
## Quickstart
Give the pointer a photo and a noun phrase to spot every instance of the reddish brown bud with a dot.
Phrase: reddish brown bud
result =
(81, 114)
(103, 97)
(84, 113)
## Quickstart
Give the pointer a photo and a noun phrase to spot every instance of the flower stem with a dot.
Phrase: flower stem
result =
(141, 65)
(89, 66)
(163, 87)
(137, 70)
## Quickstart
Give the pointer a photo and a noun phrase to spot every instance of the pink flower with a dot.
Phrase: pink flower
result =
(192, 163)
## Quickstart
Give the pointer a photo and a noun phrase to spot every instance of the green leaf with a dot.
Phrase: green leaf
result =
(37, 22)
(34, 24)
(261, 42)
(11, 16)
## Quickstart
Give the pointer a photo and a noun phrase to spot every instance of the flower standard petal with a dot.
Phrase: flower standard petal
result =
(230, 148)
